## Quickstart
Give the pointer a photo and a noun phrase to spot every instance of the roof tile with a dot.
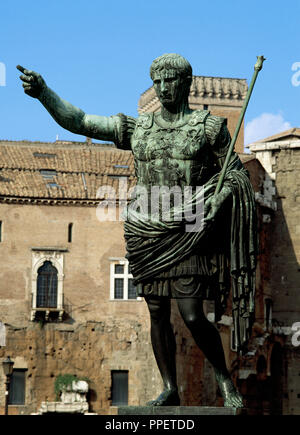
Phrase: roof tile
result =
(21, 162)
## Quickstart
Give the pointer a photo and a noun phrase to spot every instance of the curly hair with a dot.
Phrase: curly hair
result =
(172, 61)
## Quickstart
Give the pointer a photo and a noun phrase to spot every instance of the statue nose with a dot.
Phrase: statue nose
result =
(162, 87)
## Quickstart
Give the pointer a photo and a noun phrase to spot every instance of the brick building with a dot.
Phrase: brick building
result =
(280, 157)
(67, 304)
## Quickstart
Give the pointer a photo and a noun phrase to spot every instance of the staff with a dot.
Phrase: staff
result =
(257, 68)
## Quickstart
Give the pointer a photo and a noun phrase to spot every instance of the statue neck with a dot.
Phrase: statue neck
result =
(175, 114)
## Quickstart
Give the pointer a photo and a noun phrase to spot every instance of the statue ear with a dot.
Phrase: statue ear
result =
(188, 83)
(188, 80)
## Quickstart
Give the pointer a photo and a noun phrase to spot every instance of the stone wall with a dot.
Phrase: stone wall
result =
(97, 334)
(86, 279)
(92, 350)
(285, 261)
(281, 160)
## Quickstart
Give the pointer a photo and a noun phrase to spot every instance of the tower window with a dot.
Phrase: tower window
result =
(233, 345)
(268, 313)
(70, 232)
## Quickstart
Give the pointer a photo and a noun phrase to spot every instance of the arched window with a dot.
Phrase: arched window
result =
(47, 286)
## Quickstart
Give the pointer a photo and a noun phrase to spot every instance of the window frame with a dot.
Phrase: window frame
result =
(115, 402)
(10, 403)
(44, 292)
(56, 257)
(125, 276)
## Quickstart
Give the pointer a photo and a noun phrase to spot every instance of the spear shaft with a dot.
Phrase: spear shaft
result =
(257, 68)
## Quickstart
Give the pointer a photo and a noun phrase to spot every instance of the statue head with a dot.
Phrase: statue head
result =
(172, 78)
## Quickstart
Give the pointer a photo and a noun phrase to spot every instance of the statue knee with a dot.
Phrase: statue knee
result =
(159, 310)
(191, 311)
(191, 320)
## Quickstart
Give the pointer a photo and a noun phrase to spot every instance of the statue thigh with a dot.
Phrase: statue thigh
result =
(189, 305)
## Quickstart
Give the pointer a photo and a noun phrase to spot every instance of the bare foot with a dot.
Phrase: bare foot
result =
(232, 398)
(166, 398)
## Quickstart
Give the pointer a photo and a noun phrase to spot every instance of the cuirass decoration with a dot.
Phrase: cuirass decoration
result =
(172, 156)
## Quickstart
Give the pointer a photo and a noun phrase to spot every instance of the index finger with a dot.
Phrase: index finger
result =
(25, 71)
(21, 68)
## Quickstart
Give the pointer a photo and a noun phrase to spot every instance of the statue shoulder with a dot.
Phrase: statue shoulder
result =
(198, 117)
(145, 120)
(215, 123)
(214, 126)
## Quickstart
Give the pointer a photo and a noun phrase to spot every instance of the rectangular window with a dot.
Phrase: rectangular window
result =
(119, 288)
(0, 231)
(53, 185)
(44, 155)
(233, 346)
(121, 166)
(119, 268)
(121, 281)
(70, 232)
(48, 174)
(119, 387)
(17, 387)
(268, 313)
(131, 289)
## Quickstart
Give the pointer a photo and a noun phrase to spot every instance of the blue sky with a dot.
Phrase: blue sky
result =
(97, 54)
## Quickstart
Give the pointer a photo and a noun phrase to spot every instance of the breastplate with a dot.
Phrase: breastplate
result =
(172, 156)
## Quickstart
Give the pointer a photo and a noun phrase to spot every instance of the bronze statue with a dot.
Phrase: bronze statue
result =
(179, 147)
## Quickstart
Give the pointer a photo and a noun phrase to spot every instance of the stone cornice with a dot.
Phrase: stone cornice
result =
(49, 201)
(50, 249)
(58, 201)
(273, 146)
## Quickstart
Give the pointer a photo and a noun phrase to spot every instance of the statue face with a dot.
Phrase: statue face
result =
(169, 87)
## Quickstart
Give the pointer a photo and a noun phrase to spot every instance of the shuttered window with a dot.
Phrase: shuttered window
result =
(17, 387)
(119, 387)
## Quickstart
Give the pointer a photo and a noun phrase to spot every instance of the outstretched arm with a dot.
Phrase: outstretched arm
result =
(65, 114)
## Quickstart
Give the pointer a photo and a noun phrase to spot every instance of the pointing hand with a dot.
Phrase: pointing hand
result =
(33, 83)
